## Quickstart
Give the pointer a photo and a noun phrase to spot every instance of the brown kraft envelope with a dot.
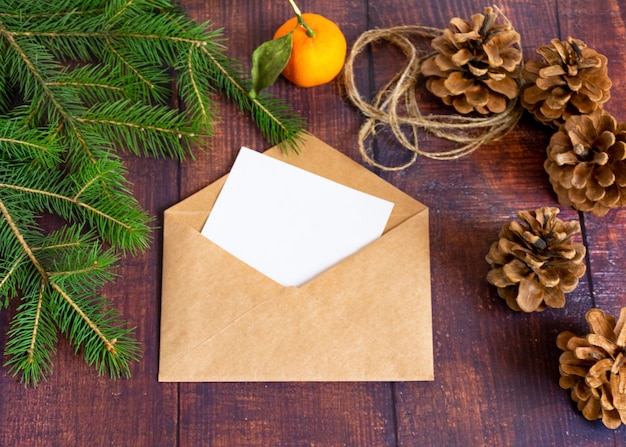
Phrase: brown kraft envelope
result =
(368, 318)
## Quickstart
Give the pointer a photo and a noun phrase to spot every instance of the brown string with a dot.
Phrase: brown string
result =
(395, 105)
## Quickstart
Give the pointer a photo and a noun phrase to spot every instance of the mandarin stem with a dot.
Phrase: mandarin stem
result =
(309, 31)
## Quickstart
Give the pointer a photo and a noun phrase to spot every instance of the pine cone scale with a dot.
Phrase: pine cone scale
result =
(430, 68)
(569, 279)
(461, 25)
(534, 94)
(444, 64)
(530, 295)
(505, 86)
(555, 297)
(456, 83)
(606, 140)
(460, 103)
(551, 109)
(549, 278)
(605, 177)
(600, 341)
(620, 329)
(601, 324)
(478, 95)
(546, 73)
(581, 172)
(618, 390)
(498, 278)
(516, 271)
(460, 58)
(575, 84)
(572, 366)
(583, 103)
(496, 104)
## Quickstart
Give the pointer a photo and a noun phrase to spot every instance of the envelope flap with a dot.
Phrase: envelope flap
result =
(319, 158)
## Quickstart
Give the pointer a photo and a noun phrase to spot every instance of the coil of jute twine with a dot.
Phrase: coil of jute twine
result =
(395, 105)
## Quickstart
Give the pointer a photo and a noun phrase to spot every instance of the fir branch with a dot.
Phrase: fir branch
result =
(15, 266)
(24, 16)
(27, 10)
(80, 81)
(32, 337)
(147, 77)
(155, 130)
(74, 200)
(278, 122)
(94, 83)
(99, 332)
(195, 92)
(94, 193)
(8, 287)
(20, 144)
(115, 12)
(276, 125)
(109, 343)
(275, 119)
(89, 325)
(20, 238)
(5, 88)
(35, 74)
(37, 320)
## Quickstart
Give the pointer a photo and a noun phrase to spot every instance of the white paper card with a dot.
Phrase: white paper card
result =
(288, 223)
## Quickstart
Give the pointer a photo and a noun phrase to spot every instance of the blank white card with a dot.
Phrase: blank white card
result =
(288, 223)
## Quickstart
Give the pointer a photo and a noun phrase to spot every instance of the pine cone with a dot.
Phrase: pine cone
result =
(587, 162)
(476, 66)
(534, 263)
(570, 80)
(593, 368)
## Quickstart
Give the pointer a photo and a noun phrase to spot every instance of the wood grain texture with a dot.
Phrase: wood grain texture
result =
(496, 371)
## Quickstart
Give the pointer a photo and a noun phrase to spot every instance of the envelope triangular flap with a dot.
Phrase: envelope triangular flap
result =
(319, 158)
(367, 318)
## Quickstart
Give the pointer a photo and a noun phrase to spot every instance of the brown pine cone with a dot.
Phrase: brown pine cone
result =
(593, 368)
(571, 79)
(477, 65)
(534, 263)
(586, 162)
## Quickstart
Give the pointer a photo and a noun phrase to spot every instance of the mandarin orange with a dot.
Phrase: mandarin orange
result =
(314, 60)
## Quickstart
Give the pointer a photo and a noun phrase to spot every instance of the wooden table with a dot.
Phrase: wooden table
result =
(496, 371)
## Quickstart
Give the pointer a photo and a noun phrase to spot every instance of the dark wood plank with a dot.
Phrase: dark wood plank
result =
(290, 414)
(260, 414)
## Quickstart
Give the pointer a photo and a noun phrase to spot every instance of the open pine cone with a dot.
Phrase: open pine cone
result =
(477, 64)
(534, 262)
(570, 80)
(593, 368)
(587, 162)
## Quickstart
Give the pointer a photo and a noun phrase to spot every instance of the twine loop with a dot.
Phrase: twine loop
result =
(395, 105)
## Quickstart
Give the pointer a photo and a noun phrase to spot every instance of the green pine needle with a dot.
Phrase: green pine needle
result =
(80, 82)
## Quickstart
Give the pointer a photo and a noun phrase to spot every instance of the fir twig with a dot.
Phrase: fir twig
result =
(80, 81)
